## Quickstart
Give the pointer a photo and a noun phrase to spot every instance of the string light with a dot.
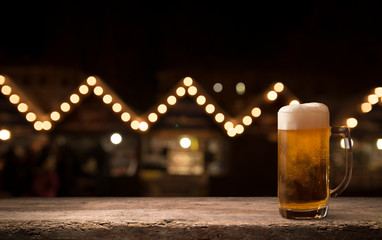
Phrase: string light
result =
(228, 125)
(125, 116)
(98, 91)
(171, 100)
(210, 108)
(378, 91)
(201, 100)
(65, 107)
(187, 81)
(372, 99)
(180, 91)
(366, 107)
(219, 117)
(83, 89)
(38, 125)
(143, 126)
(294, 102)
(162, 108)
(107, 99)
(153, 117)
(278, 87)
(46, 125)
(117, 107)
(55, 116)
(22, 107)
(272, 95)
(31, 116)
(14, 98)
(74, 98)
(91, 81)
(192, 90)
(2, 79)
(351, 122)
(256, 112)
(247, 120)
(134, 125)
(6, 90)
(239, 129)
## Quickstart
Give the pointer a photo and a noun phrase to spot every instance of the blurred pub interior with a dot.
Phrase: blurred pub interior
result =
(90, 102)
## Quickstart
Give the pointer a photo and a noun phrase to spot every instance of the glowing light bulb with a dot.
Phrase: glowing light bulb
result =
(366, 107)
(117, 107)
(116, 138)
(38, 125)
(22, 107)
(143, 126)
(91, 81)
(171, 100)
(125, 116)
(74, 98)
(372, 99)
(6, 90)
(192, 90)
(210, 108)
(46, 125)
(272, 95)
(185, 142)
(65, 107)
(2, 79)
(231, 132)
(107, 99)
(256, 112)
(219, 117)
(83, 89)
(5, 134)
(278, 87)
(351, 122)
(228, 125)
(239, 129)
(379, 144)
(378, 91)
(153, 117)
(98, 91)
(187, 81)
(180, 91)
(294, 102)
(14, 98)
(201, 100)
(55, 116)
(247, 120)
(162, 108)
(30, 116)
(134, 125)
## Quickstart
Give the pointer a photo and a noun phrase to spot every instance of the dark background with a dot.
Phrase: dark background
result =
(329, 52)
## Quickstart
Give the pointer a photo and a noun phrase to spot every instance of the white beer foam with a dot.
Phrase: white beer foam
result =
(303, 116)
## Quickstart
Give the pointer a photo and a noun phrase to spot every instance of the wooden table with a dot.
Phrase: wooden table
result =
(182, 218)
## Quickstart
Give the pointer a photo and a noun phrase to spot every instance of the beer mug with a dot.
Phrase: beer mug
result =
(303, 160)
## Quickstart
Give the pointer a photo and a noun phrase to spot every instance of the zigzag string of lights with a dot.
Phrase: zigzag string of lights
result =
(232, 125)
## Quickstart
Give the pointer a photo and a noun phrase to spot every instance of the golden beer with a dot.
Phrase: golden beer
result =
(303, 169)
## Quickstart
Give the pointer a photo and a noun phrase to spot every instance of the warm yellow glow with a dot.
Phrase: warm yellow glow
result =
(185, 142)
(256, 112)
(55, 116)
(171, 100)
(351, 122)
(366, 107)
(22, 107)
(294, 102)
(38, 125)
(228, 125)
(162, 108)
(125, 116)
(278, 87)
(74, 98)
(46, 125)
(116, 138)
(210, 108)
(272, 95)
(98, 91)
(14, 98)
(143, 126)
(372, 99)
(378, 91)
(231, 132)
(31, 117)
(379, 144)
(187, 81)
(219, 117)
(247, 120)
(65, 107)
(134, 125)
(83, 89)
(201, 100)
(2, 79)
(192, 90)
(6, 90)
(180, 91)
(239, 129)
(107, 99)
(117, 107)
(91, 81)
(5, 134)
(153, 117)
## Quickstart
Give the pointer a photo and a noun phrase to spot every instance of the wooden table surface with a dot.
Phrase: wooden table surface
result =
(182, 218)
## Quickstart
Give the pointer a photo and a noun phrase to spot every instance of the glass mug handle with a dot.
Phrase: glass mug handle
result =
(345, 133)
